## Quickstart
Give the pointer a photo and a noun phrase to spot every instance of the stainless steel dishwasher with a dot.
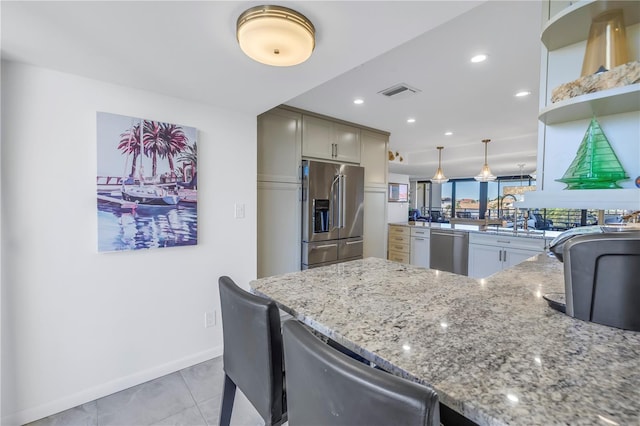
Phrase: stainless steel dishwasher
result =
(450, 251)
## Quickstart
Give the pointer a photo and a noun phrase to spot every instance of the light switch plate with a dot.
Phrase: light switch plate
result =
(239, 211)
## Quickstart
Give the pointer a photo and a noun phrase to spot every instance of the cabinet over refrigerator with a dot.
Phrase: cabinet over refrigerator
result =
(332, 213)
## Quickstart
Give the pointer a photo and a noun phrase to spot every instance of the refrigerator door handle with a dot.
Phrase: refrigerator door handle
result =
(332, 209)
(343, 200)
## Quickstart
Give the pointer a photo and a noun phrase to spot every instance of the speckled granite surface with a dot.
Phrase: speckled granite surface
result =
(494, 230)
(492, 348)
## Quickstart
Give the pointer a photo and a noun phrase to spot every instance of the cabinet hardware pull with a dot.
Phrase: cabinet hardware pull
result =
(418, 239)
(354, 242)
(505, 256)
(323, 246)
(500, 256)
(504, 242)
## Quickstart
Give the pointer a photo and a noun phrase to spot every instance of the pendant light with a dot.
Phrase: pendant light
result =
(275, 35)
(439, 177)
(485, 174)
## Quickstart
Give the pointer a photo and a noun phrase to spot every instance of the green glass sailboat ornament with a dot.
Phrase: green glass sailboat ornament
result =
(596, 165)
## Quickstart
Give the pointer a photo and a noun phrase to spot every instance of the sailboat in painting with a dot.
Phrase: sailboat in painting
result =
(149, 194)
(596, 165)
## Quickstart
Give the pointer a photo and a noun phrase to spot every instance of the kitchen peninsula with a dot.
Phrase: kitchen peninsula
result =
(492, 348)
(474, 250)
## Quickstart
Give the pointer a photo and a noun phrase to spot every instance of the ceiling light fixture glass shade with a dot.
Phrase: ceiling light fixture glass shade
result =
(439, 177)
(275, 35)
(485, 174)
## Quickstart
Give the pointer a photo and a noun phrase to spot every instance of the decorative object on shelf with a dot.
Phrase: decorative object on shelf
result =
(439, 177)
(395, 157)
(275, 35)
(485, 174)
(622, 75)
(596, 165)
(607, 43)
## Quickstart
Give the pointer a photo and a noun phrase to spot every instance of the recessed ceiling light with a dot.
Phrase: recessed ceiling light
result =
(523, 93)
(411, 120)
(479, 58)
(448, 133)
(358, 101)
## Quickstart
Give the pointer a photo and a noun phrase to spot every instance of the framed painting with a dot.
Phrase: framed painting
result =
(146, 183)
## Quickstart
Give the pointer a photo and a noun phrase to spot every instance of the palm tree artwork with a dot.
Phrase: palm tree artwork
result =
(159, 140)
(153, 144)
(129, 200)
(176, 142)
(130, 145)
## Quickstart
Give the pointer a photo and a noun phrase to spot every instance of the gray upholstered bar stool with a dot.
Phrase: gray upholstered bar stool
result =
(253, 359)
(326, 387)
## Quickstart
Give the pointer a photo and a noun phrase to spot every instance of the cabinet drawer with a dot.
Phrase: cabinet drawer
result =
(397, 230)
(399, 239)
(507, 241)
(398, 257)
(400, 247)
(420, 232)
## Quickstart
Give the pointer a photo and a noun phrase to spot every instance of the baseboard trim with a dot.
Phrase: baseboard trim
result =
(113, 386)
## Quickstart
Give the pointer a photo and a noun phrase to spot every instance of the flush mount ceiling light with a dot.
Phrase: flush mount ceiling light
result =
(485, 174)
(523, 93)
(358, 101)
(448, 133)
(411, 120)
(479, 58)
(439, 177)
(275, 35)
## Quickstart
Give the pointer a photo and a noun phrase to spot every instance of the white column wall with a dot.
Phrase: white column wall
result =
(76, 324)
(398, 212)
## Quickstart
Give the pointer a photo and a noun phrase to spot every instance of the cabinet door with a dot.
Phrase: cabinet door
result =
(375, 223)
(279, 146)
(512, 257)
(279, 237)
(347, 140)
(420, 251)
(484, 260)
(317, 138)
(374, 158)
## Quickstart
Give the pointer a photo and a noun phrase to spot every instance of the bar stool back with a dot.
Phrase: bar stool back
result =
(252, 358)
(326, 387)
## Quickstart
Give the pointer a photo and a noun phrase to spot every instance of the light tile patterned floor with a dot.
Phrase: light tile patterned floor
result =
(190, 397)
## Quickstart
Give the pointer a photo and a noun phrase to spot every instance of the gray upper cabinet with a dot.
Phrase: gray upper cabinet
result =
(374, 158)
(330, 140)
(279, 145)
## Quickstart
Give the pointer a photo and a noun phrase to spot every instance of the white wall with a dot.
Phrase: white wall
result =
(397, 212)
(78, 325)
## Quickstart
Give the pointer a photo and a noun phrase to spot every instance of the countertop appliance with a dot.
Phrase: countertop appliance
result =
(601, 270)
(332, 213)
(450, 251)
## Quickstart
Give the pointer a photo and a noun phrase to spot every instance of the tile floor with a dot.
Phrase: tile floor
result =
(189, 397)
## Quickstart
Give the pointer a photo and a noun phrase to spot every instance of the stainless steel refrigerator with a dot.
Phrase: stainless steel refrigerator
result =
(332, 213)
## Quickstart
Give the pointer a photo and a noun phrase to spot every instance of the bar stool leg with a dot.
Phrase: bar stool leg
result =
(228, 395)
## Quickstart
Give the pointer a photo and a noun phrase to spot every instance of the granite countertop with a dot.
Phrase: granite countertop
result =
(491, 229)
(492, 348)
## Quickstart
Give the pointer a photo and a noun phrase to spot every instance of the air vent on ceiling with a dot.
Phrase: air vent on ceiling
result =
(399, 91)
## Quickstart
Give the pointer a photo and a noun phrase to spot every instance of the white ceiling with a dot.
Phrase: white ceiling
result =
(188, 50)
